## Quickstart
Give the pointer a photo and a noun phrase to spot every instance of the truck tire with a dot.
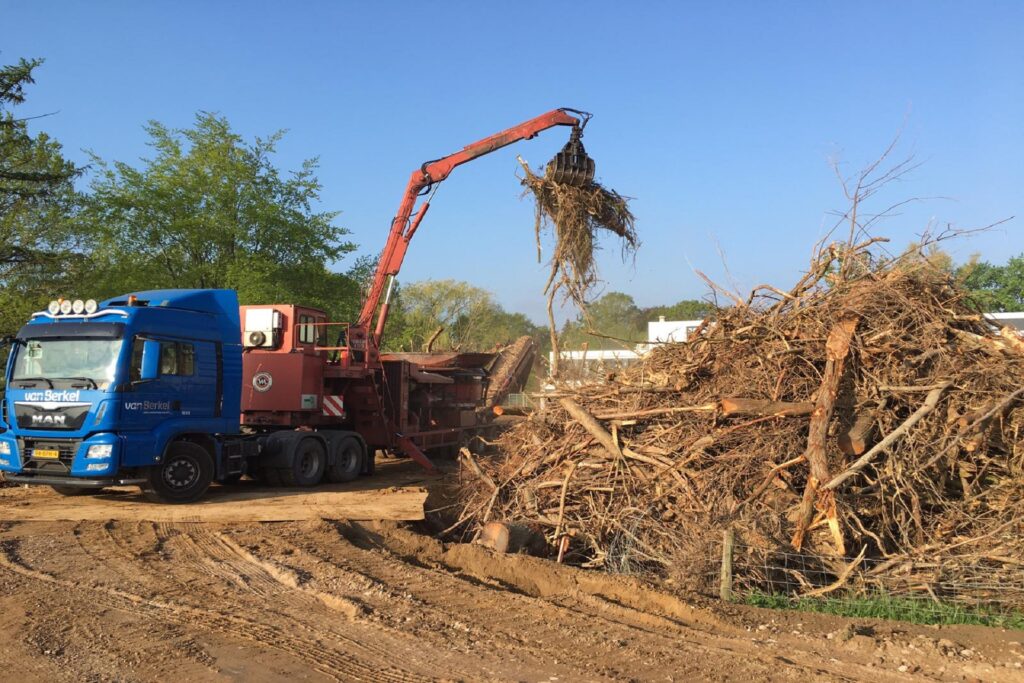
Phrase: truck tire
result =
(348, 461)
(308, 464)
(75, 491)
(270, 477)
(183, 476)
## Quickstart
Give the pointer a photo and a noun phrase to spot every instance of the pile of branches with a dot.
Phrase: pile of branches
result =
(869, 420)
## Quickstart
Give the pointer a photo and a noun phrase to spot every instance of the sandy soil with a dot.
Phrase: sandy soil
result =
(331, 600)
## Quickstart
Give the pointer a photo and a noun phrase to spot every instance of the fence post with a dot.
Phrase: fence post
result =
(725, 580)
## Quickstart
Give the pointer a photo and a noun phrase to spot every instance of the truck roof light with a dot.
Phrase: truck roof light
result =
(65, 306)
(53, 307)
(78, 306)
(91, 306)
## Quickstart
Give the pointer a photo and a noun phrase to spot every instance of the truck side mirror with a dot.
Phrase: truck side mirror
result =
(150, 360)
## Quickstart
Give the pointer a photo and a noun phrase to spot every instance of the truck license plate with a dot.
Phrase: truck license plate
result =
(45, 453)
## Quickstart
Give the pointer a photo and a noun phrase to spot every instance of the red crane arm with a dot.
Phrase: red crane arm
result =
(403, 227)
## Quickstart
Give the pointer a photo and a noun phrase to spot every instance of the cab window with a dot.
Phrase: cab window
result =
(311, 331)
(176, 359)
(135, 370)
(305, 329)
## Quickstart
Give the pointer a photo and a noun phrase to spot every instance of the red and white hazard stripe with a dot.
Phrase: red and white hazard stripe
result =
(334, 406)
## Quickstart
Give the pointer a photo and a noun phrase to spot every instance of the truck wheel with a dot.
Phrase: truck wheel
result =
(270, 477)
(307, 466)
(183, 476)
(348, 461)
(75, 491)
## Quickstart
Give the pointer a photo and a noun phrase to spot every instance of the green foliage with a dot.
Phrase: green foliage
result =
(211, 210)
(470, 317)
(615, 315)
(995, 288)
(885, 606)
(688, 309)
(38, 236)
(619, 320)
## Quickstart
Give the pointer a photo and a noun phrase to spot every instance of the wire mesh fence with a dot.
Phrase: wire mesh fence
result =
(517, 400)
(894, 588)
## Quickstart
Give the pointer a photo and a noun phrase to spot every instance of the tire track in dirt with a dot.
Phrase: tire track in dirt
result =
(485, 603)
(262, 587)
(284, 594)
(486, 611)
(364, 601)
(86, 646)
(443, 612)
(283, 576)
(333, 664)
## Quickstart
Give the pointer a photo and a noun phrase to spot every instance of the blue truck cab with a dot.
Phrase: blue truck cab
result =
(140, 389)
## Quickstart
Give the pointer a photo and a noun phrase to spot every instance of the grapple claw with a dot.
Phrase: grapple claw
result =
(572, 166)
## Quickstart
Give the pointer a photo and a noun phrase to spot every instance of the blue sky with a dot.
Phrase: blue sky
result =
(720, 118)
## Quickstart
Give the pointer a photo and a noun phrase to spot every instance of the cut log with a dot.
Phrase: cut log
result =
(930, 401)
(1012, 338)
(837, 348)
(515, 411)
(990, 345)
(587, 421)
(757, 407)
(504, 537)
(634, 414)
(855, 440)
(974, 417)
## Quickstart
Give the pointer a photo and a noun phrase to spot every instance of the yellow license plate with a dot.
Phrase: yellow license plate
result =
(44, 453)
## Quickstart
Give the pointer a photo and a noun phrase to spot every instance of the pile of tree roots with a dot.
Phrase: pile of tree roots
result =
(868, 421)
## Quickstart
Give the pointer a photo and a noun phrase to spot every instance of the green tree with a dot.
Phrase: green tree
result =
(469, 318)
(38, 235)
(210, 209)
(615, 320)
(995, 288)
(687, 309)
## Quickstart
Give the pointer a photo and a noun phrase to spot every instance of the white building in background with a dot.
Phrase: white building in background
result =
(661, 331)
(582, 363)
(1013, 319)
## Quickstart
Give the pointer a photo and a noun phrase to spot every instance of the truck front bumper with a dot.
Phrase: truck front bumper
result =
(72, 482)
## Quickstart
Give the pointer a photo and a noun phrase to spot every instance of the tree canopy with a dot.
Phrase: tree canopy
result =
(995, 288)
(468, 317)
(38, 202)
(617, 320)
(210, 209)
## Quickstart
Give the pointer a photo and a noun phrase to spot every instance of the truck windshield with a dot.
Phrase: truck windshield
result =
(66, 363)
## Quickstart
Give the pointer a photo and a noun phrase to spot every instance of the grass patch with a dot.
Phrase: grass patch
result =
(884, 606)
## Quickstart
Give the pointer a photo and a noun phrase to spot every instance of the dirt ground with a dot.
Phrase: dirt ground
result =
(317, 600)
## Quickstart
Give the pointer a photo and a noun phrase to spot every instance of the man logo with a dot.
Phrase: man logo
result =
(50, 420)
(262, 381)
